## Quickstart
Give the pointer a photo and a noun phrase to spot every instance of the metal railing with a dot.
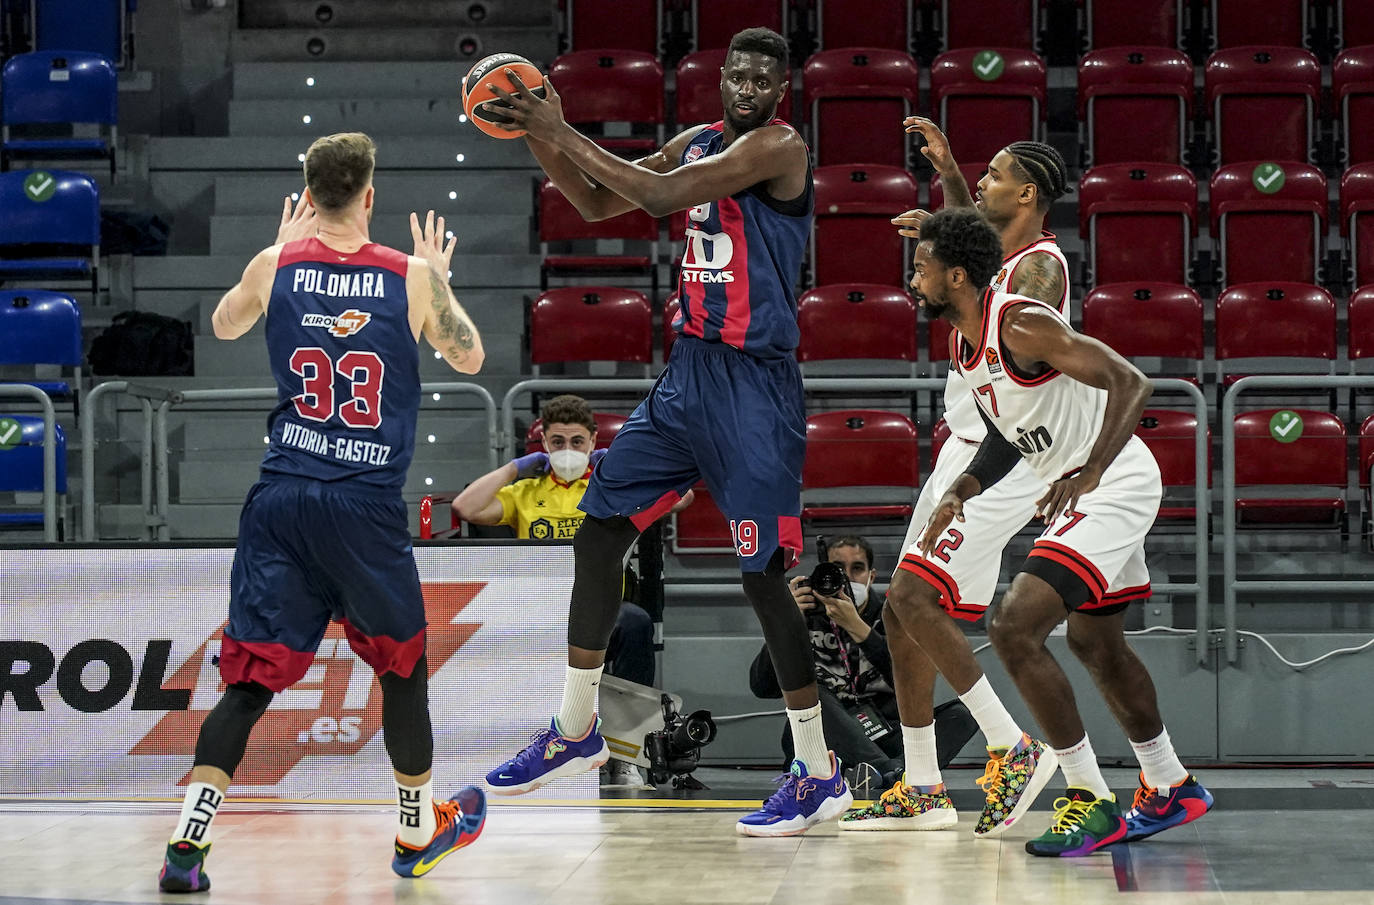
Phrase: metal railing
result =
(24, 391)
(1230, 584)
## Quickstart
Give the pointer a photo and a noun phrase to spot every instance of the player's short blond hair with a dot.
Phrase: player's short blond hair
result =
(338, 168)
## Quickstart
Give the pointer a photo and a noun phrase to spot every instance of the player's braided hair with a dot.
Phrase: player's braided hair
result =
(1044, 167)
(960, 237)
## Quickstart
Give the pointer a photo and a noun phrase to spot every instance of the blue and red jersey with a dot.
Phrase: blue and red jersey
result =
(740, 267)
(346, 365)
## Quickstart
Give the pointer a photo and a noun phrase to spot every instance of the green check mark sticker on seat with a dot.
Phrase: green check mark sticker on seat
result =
(1267, 177)
(1285, 426)
(988, 65)
(39, 186)
(10, 434)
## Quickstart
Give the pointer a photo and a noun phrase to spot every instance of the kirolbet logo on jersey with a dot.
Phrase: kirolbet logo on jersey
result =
(345, 324)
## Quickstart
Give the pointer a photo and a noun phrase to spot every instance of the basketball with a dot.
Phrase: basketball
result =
(492, 69)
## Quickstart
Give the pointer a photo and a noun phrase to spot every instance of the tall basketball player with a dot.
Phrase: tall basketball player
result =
(727, 410)
(1068, 406)
(324, 533)
(928, 593)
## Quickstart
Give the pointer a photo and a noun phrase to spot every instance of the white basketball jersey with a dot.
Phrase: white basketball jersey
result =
(1052, 419)
(961, 412)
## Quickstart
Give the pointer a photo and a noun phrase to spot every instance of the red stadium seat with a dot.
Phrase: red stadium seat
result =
(972, 88)
(1148, 320)
(1316, 460)
(1275, 320)
(972, 173)
(854, 209)
(1276, 86)
(890, 25)
(1360, 322)
(1135, 104)
(1238, 23)
(989, 23)
(715, 22)
(701, 528)
(938, 338)
(857, 98)
(856, 320)
(605, 86)
(1355, 23)
(1172, 437)
(698, 90)
(591, 323)
(860, 448)
(1139, 221)
(560, 222)
(608, 424)
(1268, 233)
(613, 25)
(1110, 23)
(1357, 220)
(1352, 87)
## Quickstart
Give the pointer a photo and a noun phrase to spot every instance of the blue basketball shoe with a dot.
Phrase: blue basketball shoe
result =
(801, 801)
(1156, 810)
(460, 821)
(550, 755)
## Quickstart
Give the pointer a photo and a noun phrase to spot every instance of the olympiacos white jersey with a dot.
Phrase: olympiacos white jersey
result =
(1052, 419)
(961, 412)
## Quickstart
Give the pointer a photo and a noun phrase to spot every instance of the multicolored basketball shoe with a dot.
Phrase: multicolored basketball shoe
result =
(550, 755)
(1156, 810)
(801, 802)
(904, 807)
(1082, 824)
(1010, 782)
(183, 868)
(460, 821)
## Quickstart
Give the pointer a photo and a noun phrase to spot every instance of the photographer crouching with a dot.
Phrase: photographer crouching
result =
(854, 670)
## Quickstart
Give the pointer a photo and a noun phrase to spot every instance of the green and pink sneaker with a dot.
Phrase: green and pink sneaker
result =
(1082, 824)
(1011, 781)
(904, 807)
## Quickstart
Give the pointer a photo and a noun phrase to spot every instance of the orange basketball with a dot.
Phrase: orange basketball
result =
(492, 70)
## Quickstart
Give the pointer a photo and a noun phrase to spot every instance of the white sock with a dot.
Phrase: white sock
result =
(198, 809)
(999, 729)
(415, 809)
(922, 764)
(579, 701)
(1158, 762)
(809, 739)
(1079, 764)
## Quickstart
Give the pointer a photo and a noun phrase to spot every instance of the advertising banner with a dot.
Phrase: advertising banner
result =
(108, 667)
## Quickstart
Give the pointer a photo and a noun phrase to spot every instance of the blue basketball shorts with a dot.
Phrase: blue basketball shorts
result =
(724, 417)
(310, 552)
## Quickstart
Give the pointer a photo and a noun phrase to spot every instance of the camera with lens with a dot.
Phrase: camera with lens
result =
(674, 750)
(828, 579)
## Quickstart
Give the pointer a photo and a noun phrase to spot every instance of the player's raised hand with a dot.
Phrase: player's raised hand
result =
(908, 223)
(936, 149)
(539, 117)
(949, 508)
(297, 224)
(429, 242)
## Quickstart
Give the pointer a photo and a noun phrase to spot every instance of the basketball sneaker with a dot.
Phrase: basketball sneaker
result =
(1156, 810)
(1011, 781)
(904, 807)
(1082, 824)
(550, 755)
(460, 821)
(801, 801)
(183, 868)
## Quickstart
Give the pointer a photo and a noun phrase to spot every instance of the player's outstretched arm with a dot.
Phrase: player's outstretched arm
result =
(937, 151)
(445, 324)
(242, 305)
(1034, 335)
(596, 202)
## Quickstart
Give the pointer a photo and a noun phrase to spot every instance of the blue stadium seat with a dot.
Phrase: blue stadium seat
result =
(39, 327)
(58, 88)
(95, 26)
(21, 468)
(49, 226)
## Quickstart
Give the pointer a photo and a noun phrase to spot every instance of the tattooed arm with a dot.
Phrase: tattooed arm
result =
(434, 310)
(1040, 276)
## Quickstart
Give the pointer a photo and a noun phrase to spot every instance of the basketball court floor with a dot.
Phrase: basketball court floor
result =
(1276, 836)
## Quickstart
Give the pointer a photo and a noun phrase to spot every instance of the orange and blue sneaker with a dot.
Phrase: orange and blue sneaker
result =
(183, 869)
(1011, 780)
(904, 807)
(801, 801)
(550, 755)
(460, 821)
(1156, 810)
(1082, 824)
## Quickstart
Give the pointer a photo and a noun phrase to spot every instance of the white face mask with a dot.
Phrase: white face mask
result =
(860, 595)
(568, 464)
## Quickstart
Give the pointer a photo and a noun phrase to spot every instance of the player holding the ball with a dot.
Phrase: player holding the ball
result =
(727, 410)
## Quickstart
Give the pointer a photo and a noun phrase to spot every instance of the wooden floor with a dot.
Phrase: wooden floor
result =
(54, 853)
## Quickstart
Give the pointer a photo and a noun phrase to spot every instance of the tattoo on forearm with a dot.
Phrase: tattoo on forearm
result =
(453, 331)
(1039, 276)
